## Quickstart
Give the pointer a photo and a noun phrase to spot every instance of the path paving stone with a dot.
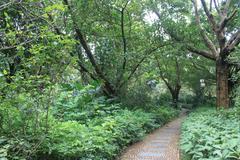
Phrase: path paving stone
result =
(162, 144)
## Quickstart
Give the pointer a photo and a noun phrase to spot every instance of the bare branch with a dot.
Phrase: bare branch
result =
(209, 16)
(233, 42)
(201, 67)
(139, 63)
(232, 15)
(225, 9)
(205, 54)
(210, 5)
(216, 6)
(125, 6)
(178, 80)
(207, 41)
(224, 18)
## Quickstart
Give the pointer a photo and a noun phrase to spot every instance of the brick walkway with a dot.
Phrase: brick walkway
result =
(162, 144)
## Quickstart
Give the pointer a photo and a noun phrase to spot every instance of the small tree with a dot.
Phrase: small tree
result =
(173, 82)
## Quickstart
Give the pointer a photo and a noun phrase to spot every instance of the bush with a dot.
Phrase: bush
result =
(102, 138)
(137, 96)
(211, 134)
(22, 127)
(80, 125)
(236, 97)
(81, 104)
(164, 114)
(164, 99)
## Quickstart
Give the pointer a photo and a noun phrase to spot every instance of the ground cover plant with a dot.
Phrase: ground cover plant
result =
(210, 134)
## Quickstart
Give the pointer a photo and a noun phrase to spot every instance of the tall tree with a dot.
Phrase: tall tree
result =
(220, 35)
(222, 46)
(112, 46)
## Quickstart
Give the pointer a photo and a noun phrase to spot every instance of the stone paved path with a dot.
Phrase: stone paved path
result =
(162, 144)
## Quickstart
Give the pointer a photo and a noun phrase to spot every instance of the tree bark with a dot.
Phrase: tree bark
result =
(175, 95)
(222, 75)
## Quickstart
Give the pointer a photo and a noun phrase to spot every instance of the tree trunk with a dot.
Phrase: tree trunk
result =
(175, 99)
(222, 73)
(175, 95)
(109, 90)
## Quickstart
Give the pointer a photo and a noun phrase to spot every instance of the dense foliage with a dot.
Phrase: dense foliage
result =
(79, 126)
(85, 78)
(209, 134)
(103, 138)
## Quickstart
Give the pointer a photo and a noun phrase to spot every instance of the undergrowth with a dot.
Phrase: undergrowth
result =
(208, 134)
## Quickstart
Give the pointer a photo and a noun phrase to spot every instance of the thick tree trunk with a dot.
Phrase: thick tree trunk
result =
(222, 73)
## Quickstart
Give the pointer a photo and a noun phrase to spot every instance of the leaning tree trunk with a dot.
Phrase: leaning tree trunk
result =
(222, 73)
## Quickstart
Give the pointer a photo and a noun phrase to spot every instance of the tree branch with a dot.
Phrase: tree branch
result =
(225, 20)
(86, 70)
(122, 70)
(233, 41)
(147, 53)
(88, 51)
(15, 46)
(209, 16)
(4, 6)
(207, 41)
(216, 6)
(225, 9)
(203, 53)
(123, 40)
(162, 77)
(178, 72)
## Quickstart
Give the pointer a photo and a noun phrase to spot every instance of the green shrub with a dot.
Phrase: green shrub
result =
(211, 134)
(22, 128)
(76, 103)
(16, 148)
(101, 138)
(236, 97)
(164, 114)
(79, 125)
(137, 96)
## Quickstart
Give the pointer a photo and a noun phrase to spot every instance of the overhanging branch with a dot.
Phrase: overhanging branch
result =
(203, 53)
